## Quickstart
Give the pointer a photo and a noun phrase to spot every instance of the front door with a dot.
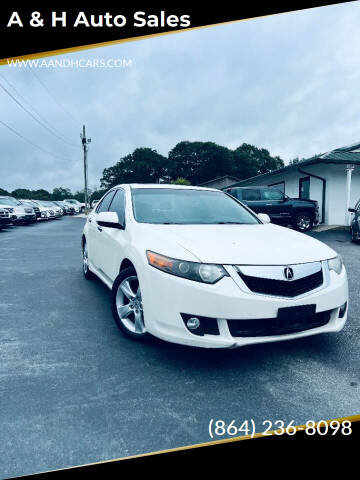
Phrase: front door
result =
(276, 204)
(113, 239)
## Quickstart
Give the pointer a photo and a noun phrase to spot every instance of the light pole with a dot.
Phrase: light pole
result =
(349, 170)
(85, 141)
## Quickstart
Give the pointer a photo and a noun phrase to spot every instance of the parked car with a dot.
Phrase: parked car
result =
(61, 205)
(70, 209)
(54, 210)
(78, 207)
(44, 212)
(355, 223)
(300, 213)
(5, 218)
(195, 266)
(20, 214)
(29, 203)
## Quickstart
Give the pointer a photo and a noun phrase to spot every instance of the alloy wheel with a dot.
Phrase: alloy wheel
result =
(85, 260)
(303, 222)
(129, 305)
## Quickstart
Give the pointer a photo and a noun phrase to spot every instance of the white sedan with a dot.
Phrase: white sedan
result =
(195, 266)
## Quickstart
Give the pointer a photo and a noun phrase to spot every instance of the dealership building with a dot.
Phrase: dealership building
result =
(332, 178)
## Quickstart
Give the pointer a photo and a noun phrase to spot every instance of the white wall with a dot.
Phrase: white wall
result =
(335, 176)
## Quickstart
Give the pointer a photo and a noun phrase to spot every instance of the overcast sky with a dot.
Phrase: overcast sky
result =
(289, 83)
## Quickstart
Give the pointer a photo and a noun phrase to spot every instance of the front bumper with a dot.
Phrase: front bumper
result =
(5, 221)
(166, 297)
(25, 218)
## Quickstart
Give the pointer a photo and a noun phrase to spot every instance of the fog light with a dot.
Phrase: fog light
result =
(342, 310)
(193, 323)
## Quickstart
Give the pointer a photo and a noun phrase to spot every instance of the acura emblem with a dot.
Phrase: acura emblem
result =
(288, 273)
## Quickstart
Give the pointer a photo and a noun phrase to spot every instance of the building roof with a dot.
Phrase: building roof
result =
(218, 179)
(343, 155)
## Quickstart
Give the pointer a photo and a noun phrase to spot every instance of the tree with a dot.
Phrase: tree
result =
(22, 193)
(198, 162)
(250, 161)
(4, 192)
(144, 165)
(60, 193)
(40, 194)
(98, 193)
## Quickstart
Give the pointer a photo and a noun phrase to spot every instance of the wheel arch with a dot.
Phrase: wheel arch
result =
(126, 263)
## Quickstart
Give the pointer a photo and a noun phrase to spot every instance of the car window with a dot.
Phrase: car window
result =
(104, 205)
(251, 194)
(118, 205)
(188, 206)
(271, 194)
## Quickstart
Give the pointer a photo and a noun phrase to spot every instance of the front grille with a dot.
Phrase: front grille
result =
(283, 288)
(4, 214)
(265, 327)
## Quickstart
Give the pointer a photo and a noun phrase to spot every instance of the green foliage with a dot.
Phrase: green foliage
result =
(199, 161)
(31, 194)
(21, 193)
(60, 193)
(250, 161)
(97, 194)
(4, 192)
(180, 181)
(144, 165)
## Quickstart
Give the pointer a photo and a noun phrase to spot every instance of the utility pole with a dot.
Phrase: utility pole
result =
(85, 141)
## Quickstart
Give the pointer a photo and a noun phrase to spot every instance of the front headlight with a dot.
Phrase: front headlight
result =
(199, 272)
(335, 264)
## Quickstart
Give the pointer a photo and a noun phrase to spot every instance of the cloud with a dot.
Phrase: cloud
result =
(287, 82)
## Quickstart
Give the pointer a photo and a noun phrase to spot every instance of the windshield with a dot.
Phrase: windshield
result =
(72, 201)
(186, 206)
(9, 201)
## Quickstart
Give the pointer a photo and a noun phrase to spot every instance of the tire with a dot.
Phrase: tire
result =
(87, 273)
(353, 239)
(126, 301)
(303, 222)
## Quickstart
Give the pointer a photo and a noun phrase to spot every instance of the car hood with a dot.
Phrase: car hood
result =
(264, 244)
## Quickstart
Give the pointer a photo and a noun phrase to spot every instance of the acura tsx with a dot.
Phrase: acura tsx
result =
(195, 266)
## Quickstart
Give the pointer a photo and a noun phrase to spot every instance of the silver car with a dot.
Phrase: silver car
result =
(20, 214)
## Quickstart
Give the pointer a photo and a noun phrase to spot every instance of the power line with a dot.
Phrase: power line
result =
(36, 112)
(31, 115)
(54, 98)
(32, 143)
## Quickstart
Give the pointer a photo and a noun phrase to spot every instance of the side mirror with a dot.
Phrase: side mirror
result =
(264, 217)
(110, 220)
(352, 210)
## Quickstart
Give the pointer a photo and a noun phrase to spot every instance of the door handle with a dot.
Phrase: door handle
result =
(99, 228)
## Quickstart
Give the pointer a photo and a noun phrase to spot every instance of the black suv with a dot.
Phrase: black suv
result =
(355, 223)
(300, 213)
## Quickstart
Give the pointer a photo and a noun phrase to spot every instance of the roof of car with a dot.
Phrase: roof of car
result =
(166, 185)
(251, 187)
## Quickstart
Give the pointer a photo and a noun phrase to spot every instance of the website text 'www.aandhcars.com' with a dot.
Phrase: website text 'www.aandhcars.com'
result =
(71, 63)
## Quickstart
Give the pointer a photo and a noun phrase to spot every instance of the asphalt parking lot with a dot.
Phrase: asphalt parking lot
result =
(73, 390)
